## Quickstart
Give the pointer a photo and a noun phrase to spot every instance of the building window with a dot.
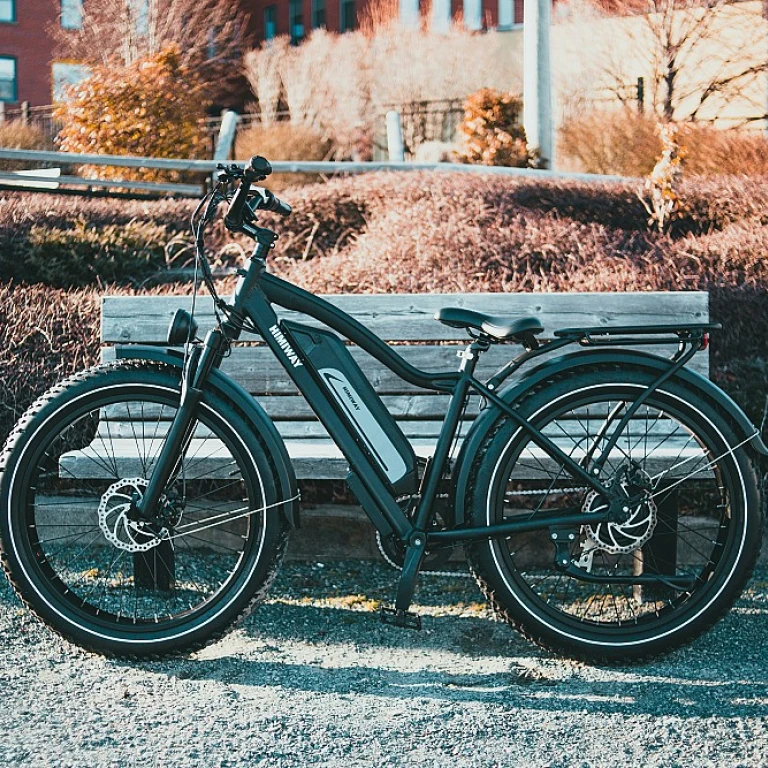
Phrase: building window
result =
(7, 78)
(64, 75)
(318, 13)
(506, 14)
(270, 22)
(296, 20)
(8, 10)
(348, 19)
(71, 14)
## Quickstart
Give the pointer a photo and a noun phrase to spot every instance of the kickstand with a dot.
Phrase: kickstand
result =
(400, 616)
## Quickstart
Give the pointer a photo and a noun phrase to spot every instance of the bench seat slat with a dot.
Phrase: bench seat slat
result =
(313, 460)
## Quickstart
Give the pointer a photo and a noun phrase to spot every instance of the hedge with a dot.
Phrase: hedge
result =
(45, 335)
(403, 233)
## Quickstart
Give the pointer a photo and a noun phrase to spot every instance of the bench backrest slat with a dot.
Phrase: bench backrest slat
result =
(406, 320)
(408, 317)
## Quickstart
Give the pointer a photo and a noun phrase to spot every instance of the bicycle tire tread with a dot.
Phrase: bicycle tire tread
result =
(18, 433)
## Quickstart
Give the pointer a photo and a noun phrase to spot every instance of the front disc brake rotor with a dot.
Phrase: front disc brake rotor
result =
(115, 517)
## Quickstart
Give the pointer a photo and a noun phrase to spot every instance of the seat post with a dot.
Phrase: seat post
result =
(471, 354)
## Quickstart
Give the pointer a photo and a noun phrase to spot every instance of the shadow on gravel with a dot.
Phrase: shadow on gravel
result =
(292, 645)
(519, 688)
(721, 675)
(468, 635)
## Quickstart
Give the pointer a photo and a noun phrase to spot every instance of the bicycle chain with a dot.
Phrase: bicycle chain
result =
(398, 567)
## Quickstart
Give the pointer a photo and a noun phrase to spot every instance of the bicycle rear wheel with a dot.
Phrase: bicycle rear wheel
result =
(72, 546)
(634, 588)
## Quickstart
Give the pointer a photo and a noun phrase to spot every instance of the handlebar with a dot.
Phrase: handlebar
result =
(257, 169)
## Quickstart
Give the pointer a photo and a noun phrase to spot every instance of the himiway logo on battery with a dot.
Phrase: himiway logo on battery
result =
(285, 346)
(368, 427)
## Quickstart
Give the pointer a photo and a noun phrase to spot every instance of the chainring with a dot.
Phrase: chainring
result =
(393, 552)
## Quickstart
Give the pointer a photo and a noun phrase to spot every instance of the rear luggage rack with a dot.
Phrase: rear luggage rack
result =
(638, 334)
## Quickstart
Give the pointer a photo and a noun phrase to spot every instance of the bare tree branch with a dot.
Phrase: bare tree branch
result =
(212, 35)
(700, 53)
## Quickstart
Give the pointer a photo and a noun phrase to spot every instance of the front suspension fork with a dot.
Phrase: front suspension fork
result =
(201, 361)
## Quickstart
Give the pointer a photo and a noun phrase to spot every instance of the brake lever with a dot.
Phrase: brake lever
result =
(229, 173)
(217, 198)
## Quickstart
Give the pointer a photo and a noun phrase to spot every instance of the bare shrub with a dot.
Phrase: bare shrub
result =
(284, 141)
(626, 143)
(439, 67)
(346, 111)
(363, 74)
(262, 68)
(305, 93)
(713, 152)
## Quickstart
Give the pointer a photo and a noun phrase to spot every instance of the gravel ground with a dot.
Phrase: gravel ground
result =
(312, 678)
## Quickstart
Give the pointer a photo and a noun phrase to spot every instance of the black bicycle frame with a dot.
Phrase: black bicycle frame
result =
(378, 477)
(252, 302)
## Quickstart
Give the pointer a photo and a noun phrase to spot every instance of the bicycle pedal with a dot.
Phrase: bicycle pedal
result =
(404, 619)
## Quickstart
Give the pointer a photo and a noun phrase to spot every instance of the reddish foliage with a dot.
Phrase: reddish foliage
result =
(45, 335)
(426, 233)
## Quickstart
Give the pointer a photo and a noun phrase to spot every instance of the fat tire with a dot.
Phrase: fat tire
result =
(522, 609)
(28, 581)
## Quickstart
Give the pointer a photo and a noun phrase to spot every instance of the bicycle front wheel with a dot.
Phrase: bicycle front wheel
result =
(72, 546)
(636, 587)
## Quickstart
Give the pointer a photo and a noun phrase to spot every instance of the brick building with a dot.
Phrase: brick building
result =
(28, 69)
(298, 17)
(29, 72)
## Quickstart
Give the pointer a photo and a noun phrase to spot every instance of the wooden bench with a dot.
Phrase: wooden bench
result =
(406, 320)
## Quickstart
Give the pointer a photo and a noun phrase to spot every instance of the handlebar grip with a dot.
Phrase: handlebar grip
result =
(276, 205)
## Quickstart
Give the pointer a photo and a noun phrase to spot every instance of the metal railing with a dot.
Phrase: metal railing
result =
(206, 167)
(421, 121)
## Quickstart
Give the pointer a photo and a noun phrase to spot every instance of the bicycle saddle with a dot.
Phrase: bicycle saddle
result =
(499, 328)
